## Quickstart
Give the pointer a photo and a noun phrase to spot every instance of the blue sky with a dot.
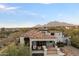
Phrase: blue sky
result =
(30, 14)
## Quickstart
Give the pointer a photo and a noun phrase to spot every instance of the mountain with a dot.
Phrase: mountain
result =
(54, 24)
(38, 25)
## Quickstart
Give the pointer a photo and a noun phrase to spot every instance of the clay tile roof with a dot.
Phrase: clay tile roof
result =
(35, 34)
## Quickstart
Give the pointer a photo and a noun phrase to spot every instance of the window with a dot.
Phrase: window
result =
(52, 33)
(26, 40)
(34, 43)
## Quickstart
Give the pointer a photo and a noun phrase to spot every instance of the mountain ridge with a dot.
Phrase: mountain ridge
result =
(55, 23)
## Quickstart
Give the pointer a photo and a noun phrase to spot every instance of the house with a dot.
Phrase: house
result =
(42, 42)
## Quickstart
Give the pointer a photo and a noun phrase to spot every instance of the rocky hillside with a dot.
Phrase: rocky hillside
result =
(54, 24)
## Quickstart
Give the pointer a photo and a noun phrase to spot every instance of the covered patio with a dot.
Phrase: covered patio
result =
(38, 45)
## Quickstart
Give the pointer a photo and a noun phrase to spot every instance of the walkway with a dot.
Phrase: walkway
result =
(52, 52)
(71, 51)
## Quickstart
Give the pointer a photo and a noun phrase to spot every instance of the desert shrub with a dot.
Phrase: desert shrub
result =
(18, 51)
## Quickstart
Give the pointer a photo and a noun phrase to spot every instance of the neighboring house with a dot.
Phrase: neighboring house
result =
(42, 42)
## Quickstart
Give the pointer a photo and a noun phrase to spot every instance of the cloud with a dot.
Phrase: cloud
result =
(16, 11)
(26, 12)
(6, 8)
(31, 13)
(15, 25)
(46, 3)
(43, 16)
(60, 15)
(37, 15)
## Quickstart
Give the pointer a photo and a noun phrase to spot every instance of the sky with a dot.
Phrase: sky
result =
(31, 14)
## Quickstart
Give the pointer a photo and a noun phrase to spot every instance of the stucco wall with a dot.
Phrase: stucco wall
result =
(22, 40)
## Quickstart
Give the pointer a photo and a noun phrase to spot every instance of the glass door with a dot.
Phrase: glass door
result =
(50, 43)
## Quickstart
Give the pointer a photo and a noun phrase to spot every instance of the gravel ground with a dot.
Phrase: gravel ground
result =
(71, 51)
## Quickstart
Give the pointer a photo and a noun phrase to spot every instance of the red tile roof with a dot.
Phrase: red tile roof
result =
(35, 34)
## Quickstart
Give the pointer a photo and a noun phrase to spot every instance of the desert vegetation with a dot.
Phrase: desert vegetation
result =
(73, 33)
(14, 50)
(10, 36)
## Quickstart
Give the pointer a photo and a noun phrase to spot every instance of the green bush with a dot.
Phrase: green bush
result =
(18, 51)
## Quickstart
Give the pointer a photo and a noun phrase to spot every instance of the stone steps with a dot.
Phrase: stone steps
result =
(51, 52)
(52, 55)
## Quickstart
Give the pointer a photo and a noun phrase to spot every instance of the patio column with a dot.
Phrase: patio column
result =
(45, 50)
(30, 47)
(22, 40)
